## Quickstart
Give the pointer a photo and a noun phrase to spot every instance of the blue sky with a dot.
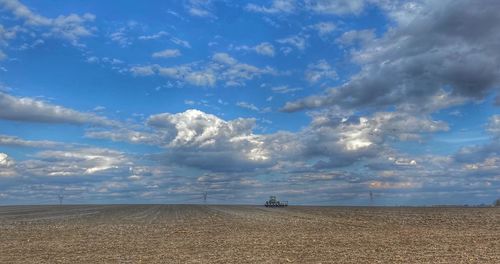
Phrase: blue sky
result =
(315, 101)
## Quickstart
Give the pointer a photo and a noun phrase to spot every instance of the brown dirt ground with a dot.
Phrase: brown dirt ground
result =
(247, 234)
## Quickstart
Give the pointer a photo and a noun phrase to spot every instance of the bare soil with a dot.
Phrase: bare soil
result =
(247, 234)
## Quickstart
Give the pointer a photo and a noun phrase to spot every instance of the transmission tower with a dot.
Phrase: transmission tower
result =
(60, 196)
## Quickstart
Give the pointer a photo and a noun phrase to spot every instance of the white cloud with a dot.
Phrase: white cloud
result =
(154, 36)
(187, 74)
(71, 27)
(76, 162)
(320, 70)
(336, 7)
(277, 7)
(324, 28)
(221, 67)
(296, 41)
(196, 128)
(224, 58)
(121, 38)
(168, 53)
(247, 106)
(5, 160)
(181, 42)
(264, 48)
(143, 70)
(356, 36)
(200, 8)
(201, 78)
(284, 89)
(338, 139)
(7, 166)
(205, 141)
(7, 34)
(31, 110)
(494, 125)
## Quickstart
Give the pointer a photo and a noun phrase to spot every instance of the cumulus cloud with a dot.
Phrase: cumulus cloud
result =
(200, 8)
(277, 7)
(321, 70)
(205, 141)
(339, 139)
(333, 139)
(264, 48)
(186, 73)
(337, 7)
(324, 28)
(221, 67)
(494, 125)
(224, 58)
(168, 53)
(402, 67)
(147, 70)
(7, 168)
(297, 41)
(326, 153)
(121, 38)
(351, 37)
(71, 27)
(6, 34)
(31, 110)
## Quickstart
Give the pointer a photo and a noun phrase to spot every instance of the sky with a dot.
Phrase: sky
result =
(326, 102)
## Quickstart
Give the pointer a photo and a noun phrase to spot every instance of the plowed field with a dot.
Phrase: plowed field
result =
(247, 234)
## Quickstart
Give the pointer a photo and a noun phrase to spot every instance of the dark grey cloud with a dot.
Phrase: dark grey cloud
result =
(436, 47)
(339, 141)
(493, 126)
(478, 153)
(497, 100)
(76, 162)
(125, 135)
(6, 140)
(26, 109)
(195, 139)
